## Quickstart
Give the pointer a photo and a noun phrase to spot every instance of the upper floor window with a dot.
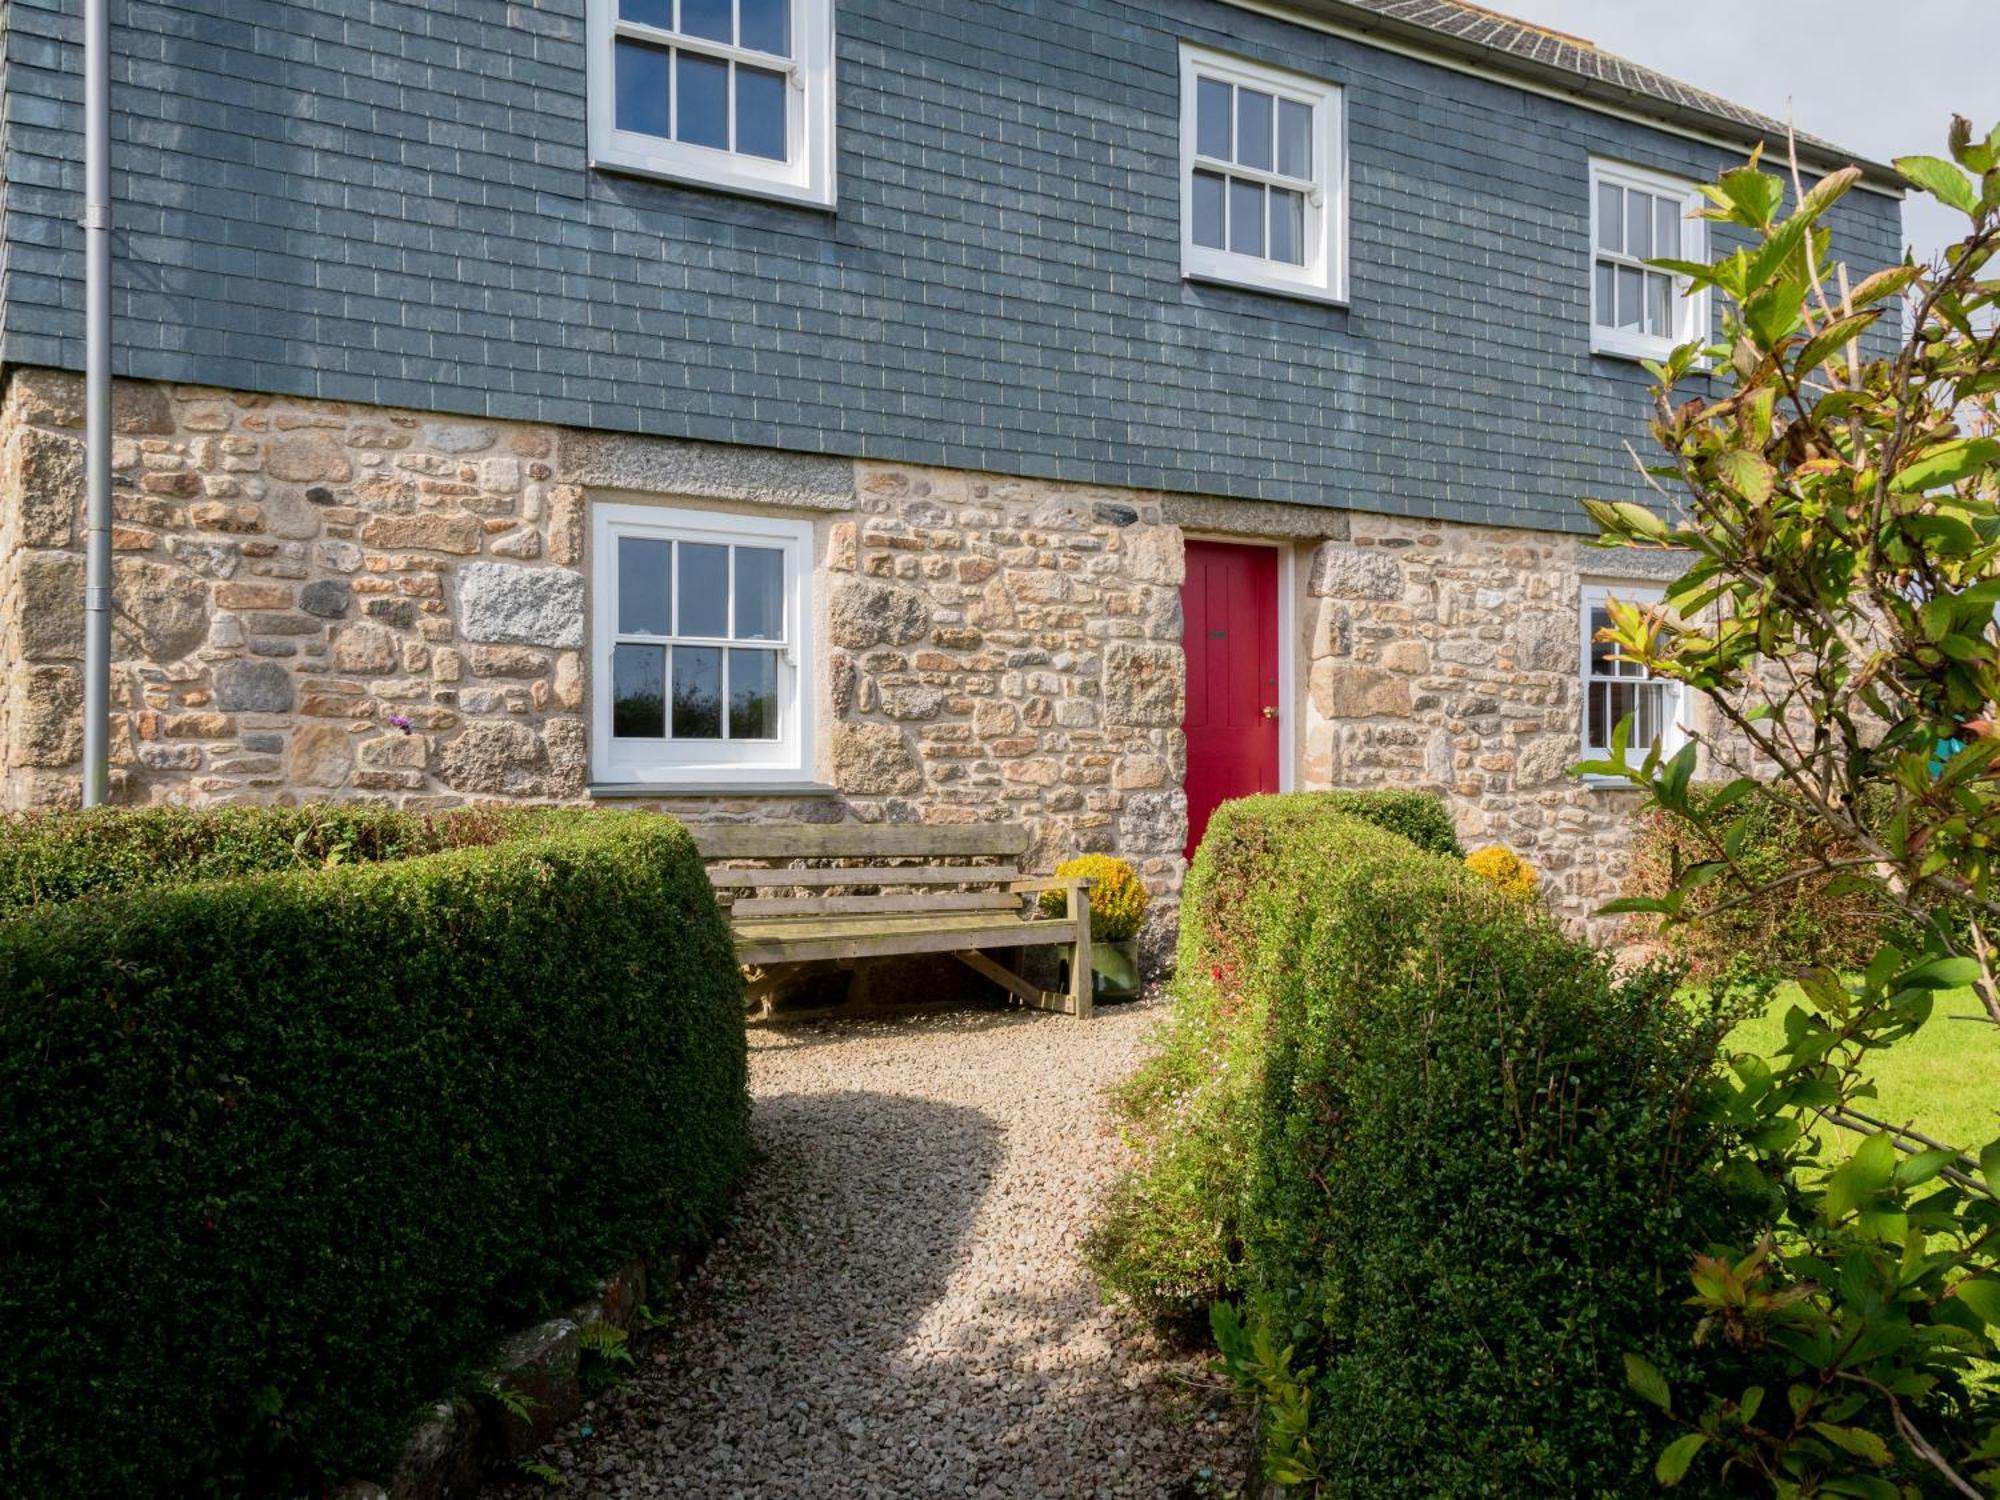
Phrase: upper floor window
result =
(1614, 689)
(1637, 216)
(701, 655)
(735, 94)
(1262, 174)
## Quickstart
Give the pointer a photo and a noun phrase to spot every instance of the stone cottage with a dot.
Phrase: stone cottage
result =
(848, 409)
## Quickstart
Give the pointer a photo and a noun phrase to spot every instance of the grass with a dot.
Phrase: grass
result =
(1944, 1081)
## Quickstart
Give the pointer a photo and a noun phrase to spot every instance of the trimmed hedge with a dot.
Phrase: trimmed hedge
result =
(280, 1155)
(1434, 1145)
(49, 858)
(1780, 931)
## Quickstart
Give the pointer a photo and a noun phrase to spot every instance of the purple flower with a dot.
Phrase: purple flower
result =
(401, 721)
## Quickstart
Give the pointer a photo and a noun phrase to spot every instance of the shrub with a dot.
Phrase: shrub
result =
(280, 1154)
(1436, 1149)
(1117, 902)
(1163, 1245)
(47, 858)
(1780, 928)
(1502, 867)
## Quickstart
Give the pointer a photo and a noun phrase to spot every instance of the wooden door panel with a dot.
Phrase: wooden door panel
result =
(1229, 607)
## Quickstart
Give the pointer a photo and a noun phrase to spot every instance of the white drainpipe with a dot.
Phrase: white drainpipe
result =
(97, 400)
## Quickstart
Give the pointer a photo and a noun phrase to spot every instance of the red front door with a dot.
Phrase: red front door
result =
(1229, 608)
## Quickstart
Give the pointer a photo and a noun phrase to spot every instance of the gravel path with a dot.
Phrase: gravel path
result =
(901, 1308)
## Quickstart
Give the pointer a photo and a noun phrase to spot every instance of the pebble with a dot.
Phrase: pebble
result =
(900, 1306)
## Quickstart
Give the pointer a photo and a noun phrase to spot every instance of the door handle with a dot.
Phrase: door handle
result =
(1270, 713)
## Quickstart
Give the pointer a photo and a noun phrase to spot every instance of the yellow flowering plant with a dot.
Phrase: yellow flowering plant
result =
(1117, 902)
(1504, 868)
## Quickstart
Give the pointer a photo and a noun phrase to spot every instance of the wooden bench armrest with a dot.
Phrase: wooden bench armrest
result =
(1054, 883)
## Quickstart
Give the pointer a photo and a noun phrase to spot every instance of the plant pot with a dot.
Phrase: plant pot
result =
(1114, 969)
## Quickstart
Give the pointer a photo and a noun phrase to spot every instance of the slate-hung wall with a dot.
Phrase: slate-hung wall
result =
(387, 201)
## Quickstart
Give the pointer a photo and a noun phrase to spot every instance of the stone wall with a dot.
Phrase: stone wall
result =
(322, 600)
(1446, 658)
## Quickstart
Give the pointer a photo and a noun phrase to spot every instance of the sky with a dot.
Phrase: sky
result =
(1890, 89)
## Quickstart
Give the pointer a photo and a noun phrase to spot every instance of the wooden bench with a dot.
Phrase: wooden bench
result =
(864, 890)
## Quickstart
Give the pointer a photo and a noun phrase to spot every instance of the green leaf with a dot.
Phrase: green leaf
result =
(1648, 1382)
(1989, 1164)
(1754, 195)
(1941, 180)
(1883, 284)
(1746, 473)
(1673, 1462)
(1940, 974)
(1835, 336)
(1983, 1297)
(1947, 464)
(1858, 1441)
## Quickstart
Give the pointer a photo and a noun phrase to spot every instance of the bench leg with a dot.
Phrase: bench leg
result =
(1011, 982)
(1079, 956)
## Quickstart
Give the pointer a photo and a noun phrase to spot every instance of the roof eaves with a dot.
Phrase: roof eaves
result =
(1565, 70)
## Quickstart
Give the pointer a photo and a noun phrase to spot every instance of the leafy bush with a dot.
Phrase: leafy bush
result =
(1502, 867)
(47, 858)
(1117, 902)
(280, 1154)
(1439, 1152)
(1749, 923)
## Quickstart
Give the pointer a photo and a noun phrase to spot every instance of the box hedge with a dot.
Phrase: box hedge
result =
(280, 1154)
(1434, 1145)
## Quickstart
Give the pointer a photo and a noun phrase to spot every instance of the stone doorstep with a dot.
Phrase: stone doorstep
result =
(462, 1441)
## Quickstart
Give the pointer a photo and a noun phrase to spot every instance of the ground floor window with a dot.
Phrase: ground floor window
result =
(1614, 689)
(701, 646)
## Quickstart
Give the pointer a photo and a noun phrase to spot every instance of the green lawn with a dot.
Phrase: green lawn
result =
(1944, 1081)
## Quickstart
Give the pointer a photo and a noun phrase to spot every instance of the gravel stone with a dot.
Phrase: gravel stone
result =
(901, 1305)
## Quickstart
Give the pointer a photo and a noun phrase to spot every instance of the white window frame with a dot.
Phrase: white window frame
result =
(806, 174)
(667, 763)
(1323, 277)
(1694, 322)
(1673, 708)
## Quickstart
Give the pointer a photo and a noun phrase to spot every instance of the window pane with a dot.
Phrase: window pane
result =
(767, 26)
(1208, 210)
(704, 581)
(1630, 284)
(1666, 227)
(1253, 128)
(760, 594)
(1246, 217)
(1610, 219)
(1638, 225)
(1600, 651)
(1659, 304)
(709, 18)
(638, 695)
(658, 13)
(760, 113)
(1597, 714)
(1604, 311)
(642, 88)
(1211, 118)
(1295, 138)
(753, 695)
(645, 586)
(697, 692)
(703, 84)
(1288, 227)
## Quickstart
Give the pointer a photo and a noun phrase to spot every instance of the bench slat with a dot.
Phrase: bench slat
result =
(910, 903)
(1000, 874)
(779, 941)
(855, 840)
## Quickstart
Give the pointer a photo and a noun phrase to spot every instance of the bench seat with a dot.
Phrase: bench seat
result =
(843, 892)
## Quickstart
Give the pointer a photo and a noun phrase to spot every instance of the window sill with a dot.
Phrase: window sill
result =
(1297, 291)
(737, 184)
(609, 790)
